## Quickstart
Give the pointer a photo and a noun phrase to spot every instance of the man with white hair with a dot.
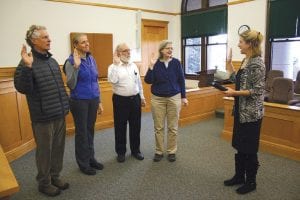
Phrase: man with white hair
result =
(127, 100)
(38, 76)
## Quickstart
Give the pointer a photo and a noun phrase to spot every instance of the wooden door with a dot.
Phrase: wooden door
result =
(153, 32)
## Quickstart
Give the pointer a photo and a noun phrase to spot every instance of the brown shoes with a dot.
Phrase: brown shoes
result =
(49, 190)
(60, 184)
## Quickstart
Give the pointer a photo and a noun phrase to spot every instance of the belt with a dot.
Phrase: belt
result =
(126, 97)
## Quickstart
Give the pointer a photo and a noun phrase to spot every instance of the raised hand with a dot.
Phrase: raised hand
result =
(77, 59)
(26, 57)
(152, 61)
(229, 56)
(116, 58)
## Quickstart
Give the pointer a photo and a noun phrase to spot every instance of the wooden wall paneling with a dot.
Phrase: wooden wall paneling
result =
(7, 72)
(9, 125)
(103, 52)
(105, 120)
(279, 132)
(147, 94)
(202, 105)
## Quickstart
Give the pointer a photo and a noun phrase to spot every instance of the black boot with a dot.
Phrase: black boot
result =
(251, 171)
(239, 177)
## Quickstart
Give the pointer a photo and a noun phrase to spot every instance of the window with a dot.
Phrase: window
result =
(204, 35)
(192, 5)
(216, 52)
(214, 48)
(212, 3)
(192, 51)
(283, 47)
(285, 56)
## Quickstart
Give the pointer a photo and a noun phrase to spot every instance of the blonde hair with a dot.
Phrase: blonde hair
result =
(162, 45)
(75, 38)
(33, 33)
(254, 38)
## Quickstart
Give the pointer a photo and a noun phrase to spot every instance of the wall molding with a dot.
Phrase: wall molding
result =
(238, 2)
(115, 6)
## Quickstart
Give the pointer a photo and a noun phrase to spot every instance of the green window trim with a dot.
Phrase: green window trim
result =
(204, 23)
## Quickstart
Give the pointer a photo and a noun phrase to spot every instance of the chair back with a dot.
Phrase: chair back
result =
(270, 76)
(282, 90)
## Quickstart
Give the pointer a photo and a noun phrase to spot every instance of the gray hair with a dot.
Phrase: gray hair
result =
(119, 46)
(33, 33)
(75, 38)
(162, 45)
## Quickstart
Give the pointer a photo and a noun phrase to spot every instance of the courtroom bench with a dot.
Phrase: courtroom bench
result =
(8, 182)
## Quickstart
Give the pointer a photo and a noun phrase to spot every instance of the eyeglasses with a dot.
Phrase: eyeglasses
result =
(169, 48)
(126, 51)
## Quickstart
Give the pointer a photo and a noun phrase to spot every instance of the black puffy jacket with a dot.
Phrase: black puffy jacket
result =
(44, 88)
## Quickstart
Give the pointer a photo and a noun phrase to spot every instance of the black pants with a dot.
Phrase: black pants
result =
(127, 109)
(84, 113)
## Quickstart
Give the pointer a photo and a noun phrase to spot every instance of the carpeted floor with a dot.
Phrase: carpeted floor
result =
(203, 162)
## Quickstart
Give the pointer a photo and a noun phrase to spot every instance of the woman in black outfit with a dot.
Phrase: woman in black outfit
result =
(248, 110)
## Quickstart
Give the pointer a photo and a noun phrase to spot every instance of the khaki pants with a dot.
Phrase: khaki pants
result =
(162, 108)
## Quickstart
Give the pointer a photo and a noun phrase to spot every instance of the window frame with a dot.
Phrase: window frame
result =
(279, 40)
(204, 38)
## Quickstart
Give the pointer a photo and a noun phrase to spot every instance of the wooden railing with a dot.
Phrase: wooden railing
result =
(280, 131)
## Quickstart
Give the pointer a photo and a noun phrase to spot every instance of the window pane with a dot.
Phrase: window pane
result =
(193, 5)
(192, 59)
(217, 39)
(193, 41)
(216, 57)
(286, 57)
(216, 2)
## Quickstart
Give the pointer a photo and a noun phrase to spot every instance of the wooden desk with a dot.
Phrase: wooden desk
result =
(8, 182)
(280, 131)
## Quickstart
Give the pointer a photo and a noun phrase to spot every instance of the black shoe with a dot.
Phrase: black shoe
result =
(246, 188)
(172, 157)
(49, 190)
(157, 157)
(121, 158)
(96, 165)
(88, 171)
(62, 185)
(138, 156)
(235, 180)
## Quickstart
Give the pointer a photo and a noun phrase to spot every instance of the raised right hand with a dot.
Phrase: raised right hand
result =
(77, 59)
(229, 56)
(116, 58)
(26, 57)
(152, 61)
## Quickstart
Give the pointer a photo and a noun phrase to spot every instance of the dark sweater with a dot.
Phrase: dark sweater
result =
(44, 88)
(166, 82)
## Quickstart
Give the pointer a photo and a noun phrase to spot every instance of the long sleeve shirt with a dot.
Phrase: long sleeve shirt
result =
(168, 80)
(125, 79)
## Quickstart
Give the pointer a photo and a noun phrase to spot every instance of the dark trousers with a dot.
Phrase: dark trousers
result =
(50, 146)
(84, 114)
(247, 164)
(127, 109)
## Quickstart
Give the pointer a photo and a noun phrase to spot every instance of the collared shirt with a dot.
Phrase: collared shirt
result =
(125, 79)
